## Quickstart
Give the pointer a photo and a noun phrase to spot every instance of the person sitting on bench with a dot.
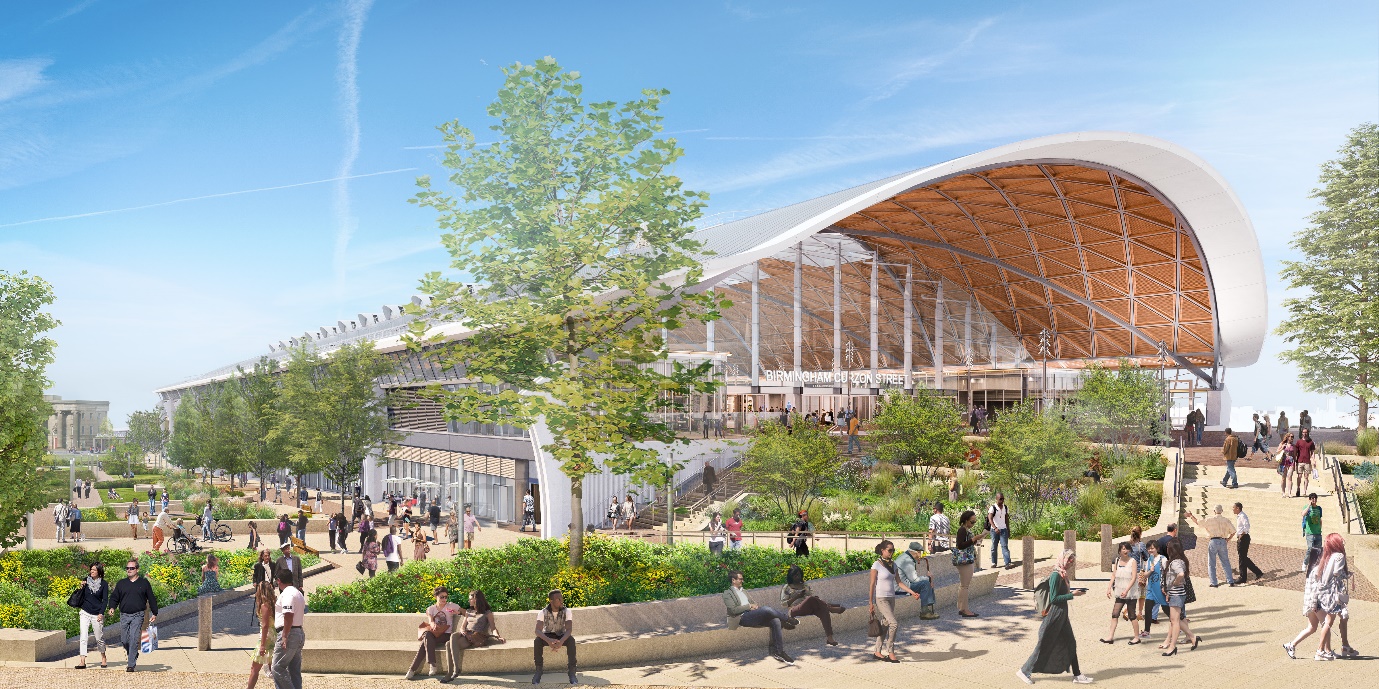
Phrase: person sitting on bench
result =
(744, 613)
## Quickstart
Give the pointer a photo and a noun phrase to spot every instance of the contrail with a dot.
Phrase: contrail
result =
(346, 78)
(160, 204)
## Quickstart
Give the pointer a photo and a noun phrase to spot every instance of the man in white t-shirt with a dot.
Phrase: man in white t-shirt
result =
(998, 521)
(555, 626)
(287, 620)
(392, 549)
(939, 528)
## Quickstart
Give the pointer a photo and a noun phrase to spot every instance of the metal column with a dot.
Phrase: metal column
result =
(873, 340)
(797, 340)
(939, 317)
(838, 320)
(909, 329)
(708, 332)
(756, 326)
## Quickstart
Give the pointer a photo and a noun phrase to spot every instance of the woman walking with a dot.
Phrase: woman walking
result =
(1152, 578)
(718, 535)
(1056, 650)
(1287, 462)
(132, 518)
(612, 516)
(369, 553)
(254, 541)
(95, 600)
(419, 546)
(264, 598)
(1310, 609)
(475, 630)
(1124, 588)
(434, 631)
(284, 531)
(881, 593)
(801, 601)
(965, 558)
(1178, 573)
(452, 531)
(210, 577)
(1333, 595)
(953, 486)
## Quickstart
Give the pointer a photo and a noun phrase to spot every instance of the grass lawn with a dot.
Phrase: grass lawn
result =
(126, 494)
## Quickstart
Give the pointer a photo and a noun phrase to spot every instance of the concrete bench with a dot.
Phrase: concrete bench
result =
(30, 645)
(608, 635)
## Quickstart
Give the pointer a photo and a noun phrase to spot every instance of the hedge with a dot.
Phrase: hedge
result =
(518, 576)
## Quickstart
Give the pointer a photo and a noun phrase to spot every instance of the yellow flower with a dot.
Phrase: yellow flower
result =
(14, 617)
(61, 587)
(11, 569)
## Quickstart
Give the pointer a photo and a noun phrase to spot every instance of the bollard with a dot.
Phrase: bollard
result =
(1070, 543)
(1027, 561)
(203, 623)
(1107, 552)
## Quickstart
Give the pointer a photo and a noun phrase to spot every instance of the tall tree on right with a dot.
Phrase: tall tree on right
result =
(1333, 326)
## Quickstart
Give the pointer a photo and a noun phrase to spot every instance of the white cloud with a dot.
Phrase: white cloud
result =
(346, 79)
(72, 11)
(21, 76)
(914, 68)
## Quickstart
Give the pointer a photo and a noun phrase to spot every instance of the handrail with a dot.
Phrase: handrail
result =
(1350, 506)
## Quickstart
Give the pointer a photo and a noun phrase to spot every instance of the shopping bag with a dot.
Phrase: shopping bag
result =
(148, 641)
(1316, 475)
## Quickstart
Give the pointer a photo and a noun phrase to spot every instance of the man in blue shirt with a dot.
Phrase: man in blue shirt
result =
(907, 568)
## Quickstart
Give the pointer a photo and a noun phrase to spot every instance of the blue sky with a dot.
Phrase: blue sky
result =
(110, 105)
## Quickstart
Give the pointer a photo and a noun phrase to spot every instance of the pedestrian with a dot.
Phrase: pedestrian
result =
(629, 510)
(882, 587)
(1304, 422)
(291, 564)
(263, 569)
(433, 514)
(477, 627)
(151, 496)
(206, 521)
(131, 596)
(710, 477)
(1152, 580)
(331, 526)
(800, 534)
(131, 514)
(94, 601)
(1170, 533)
(974, 420)
(528, 511)
(1230, 451)
(1333, 594)
(718, 534)
(1258, 443)
(320, 506)
(264, 597)
(965, 558)
(166, 501)
(1303, 470)
(1055, 652)
(1287, 456)
(1312, 523)
(161, 527)
(210, 576)
(555, 627)
(302, 521)
(854, 440)
(284, 530)
(287, 621)
(392, 510)
(1222, 532)
(471, 526)
(391, 549)
(369, 551)
(433, 631)
(907, 571)
(953, 486)
(998, 520)
(452, 531)
(734, 527)
(86, 489)
(342, 530)
(1177, 587)
(800, 600)
(611, 518)
(1282, 423)
(742, 612)
(1124, 588)
(419, 546)
(60, 520)
(939, 528)
(1242, 545)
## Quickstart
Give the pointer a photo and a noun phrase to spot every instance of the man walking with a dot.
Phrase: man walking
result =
(130, 597)
(853, 439)
(1259, 442)
(1201, 424)
(1305, 448)
(528, 511)
(151, 496)
(998, 520)
(734, 527)
(1230, 451)
(60, 520)
(744, 613)
(206, 521)
(290, 564)
(1242, 545)
(1221, 531)
(287, 620)
(1311, 526)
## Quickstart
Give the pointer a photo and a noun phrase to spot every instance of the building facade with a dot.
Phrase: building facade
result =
(76, 424)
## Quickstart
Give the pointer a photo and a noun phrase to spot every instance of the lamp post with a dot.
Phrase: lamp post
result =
(1045, 346)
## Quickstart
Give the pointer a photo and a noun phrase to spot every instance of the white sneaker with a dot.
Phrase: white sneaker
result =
(1289, 648)
(1322, 655)
(1024, 677)
(1348, 652)
(410, 674)
(431, 671)
(1082, 679)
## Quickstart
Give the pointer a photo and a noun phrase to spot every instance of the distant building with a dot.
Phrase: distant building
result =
(75, 424)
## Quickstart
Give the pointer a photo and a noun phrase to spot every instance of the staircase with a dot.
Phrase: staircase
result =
(1274, 519)
(653, 516)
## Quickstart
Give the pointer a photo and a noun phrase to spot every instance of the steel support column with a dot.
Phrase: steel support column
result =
(756, 326)
(909, 327)
(939, 317)
(838, 320)
(797, 338)
(874, 338)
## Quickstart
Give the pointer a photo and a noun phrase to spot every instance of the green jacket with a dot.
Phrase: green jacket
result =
(735, 609)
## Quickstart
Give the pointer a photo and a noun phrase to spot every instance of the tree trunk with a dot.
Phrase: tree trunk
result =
(576, 521)
(1364, 412)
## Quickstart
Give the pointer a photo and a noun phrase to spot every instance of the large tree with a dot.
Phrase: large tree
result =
(25, 352)
(1121, 408)
(577, 238)
(921, 431)
(1333, 325)
(790, 466)
(262, 451)
(332, 415)
(204, 431)
(1031, 452)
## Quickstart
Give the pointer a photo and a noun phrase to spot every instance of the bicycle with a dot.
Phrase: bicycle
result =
(219, 532)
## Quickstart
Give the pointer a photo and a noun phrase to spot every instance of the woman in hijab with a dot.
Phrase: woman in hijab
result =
(1056, 650)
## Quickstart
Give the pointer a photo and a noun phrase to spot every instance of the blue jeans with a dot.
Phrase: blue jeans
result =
(923, 586)
(1230, 475)
(1199, 435)
(853, 439)
(1002, 537)
(1217, 552)
(1313, 541)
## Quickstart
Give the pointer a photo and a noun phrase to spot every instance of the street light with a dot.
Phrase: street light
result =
(1045, 346)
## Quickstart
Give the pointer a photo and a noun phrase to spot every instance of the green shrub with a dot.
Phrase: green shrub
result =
(884, 477)
(1332, 447)
(1366, 470)
(1367, 494)
(115, 483)
(1366, 441)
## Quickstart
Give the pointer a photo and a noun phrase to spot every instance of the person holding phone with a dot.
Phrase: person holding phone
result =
(1056, 650)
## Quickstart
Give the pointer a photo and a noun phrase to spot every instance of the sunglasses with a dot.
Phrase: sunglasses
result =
(131, 569)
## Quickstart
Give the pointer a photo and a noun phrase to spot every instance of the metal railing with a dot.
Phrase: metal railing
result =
(1350, 504)
(866, 540)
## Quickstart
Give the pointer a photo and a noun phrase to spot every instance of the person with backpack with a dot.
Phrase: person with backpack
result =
(1260, 443)
(998, 523)
(1231, 450)
(392, 549)
(1056, 650)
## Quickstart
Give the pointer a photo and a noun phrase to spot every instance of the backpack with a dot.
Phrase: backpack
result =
(388, 545)
(1043, 597)
(1239, 449)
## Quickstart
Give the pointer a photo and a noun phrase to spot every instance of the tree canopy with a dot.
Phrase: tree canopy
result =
(577, 237)
(1332, 325)
(919, 430)
(25, 353)
(146, 431)
(1031, 452)
(1120, 407)
(791, 466)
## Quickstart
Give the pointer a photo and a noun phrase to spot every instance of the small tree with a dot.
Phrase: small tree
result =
(923, 430)
(125, 457)
(262, 451)
(580, 241)
(1030, 452)
(790, 467)
(1120, 408)
(183, 445)
(25, 352)
(332, 413)
(147, 432)
(1333, 327)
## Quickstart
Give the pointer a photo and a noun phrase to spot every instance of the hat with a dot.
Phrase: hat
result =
(288, 544)
(801, 513)
(917, 546)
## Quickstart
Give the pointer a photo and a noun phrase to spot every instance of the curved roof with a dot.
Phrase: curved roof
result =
(1114, 241)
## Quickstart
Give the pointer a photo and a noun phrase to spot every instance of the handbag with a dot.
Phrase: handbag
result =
(78, 595)
(1191, 595)
(359, 566)
(873, 627)
(964, 556)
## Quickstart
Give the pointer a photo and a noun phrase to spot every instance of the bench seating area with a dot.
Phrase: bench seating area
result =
(611, 635)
